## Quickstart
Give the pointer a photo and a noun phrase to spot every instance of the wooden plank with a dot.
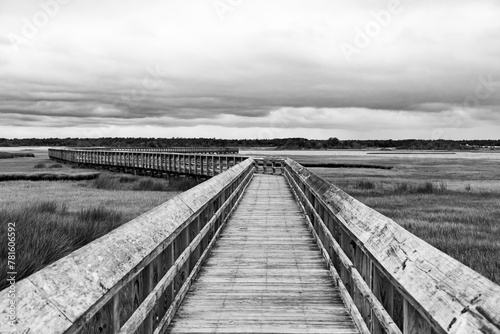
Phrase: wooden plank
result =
(450, 296)
(250, 285)
(357, 280)
(80, 285)
(180, 273)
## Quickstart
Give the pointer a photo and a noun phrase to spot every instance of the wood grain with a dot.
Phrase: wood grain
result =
(451, 297)
(74, 289)
(265, 273)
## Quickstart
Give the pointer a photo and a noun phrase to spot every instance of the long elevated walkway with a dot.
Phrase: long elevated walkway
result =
(265, 275)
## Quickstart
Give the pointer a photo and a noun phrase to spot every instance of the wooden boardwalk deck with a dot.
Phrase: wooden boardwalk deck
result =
(265, 275)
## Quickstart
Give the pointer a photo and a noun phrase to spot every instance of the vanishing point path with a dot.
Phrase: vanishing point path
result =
(266, 274)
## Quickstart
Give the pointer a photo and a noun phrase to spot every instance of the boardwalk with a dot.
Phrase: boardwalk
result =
(265, 275)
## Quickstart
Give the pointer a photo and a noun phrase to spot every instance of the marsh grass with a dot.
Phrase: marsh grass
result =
(47, 231)
(48, 176)
(26, 165)
(151, 185)
(465, 226)
(111, 181)
(43, 165)
(10, 155)
(421, 188)
(183, 184)
(75, 215)
(365, 184)
(447, 212)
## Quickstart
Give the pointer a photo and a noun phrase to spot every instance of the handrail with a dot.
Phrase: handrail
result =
(210, 150)
(269, 165)
(383, 317)
(135, 276)
(196, 164)
(376, 260)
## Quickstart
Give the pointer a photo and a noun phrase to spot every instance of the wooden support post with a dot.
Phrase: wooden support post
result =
(194, 230)
(384, 291)
(413, 322)
(363, 265)
(116, 313)
(344, 275)
(169, 261)
(148, 286)
(213, 165)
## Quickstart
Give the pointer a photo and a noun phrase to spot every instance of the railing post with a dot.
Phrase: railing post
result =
(384, 291)
(116, 313)
(363, 265)
(148, 286)
(344, 275)
(413, 322)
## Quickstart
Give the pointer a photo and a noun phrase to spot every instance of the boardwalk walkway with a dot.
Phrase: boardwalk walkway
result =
(265, 275)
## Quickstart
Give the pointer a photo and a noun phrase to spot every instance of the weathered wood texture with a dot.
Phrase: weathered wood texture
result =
(132, 274)
(438, 291)
(269, 165)
(361, 302)
(195, 164)
(265, 275)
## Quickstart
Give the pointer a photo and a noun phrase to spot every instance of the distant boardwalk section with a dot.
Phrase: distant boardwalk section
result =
(204, 161)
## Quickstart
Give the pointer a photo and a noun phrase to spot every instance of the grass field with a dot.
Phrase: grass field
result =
(37, 164)
(453, 204)
(53, 218)
(9, 155)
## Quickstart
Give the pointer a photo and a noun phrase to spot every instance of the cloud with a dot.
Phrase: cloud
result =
(125, 64)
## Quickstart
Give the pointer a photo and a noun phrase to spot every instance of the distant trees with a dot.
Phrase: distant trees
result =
(281, 143)
(333, 141)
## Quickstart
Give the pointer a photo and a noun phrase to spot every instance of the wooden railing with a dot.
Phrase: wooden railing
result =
(269, 165)
(133, 279)
(392, 281)
(196, 164)
(206, 150)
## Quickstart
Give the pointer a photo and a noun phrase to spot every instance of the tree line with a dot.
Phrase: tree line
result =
(281, 143)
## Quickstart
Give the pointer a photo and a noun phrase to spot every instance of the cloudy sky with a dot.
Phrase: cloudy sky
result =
(366, 69)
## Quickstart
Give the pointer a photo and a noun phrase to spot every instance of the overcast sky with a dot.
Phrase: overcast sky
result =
(250, 68)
